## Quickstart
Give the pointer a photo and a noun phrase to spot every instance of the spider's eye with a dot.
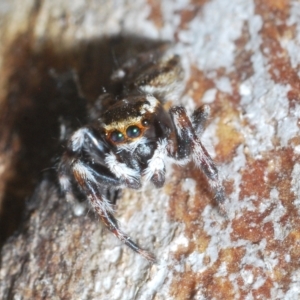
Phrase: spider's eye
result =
(145, 122)
(133, 131)
(117, 136)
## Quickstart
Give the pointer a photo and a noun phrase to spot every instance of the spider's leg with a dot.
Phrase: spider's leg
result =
(73, 151)
(113, 225)
(199, 118)
(185, 134)
(94, 178)
(76, 147)
(65, 178)
(130, 177)
(112, 194)
(207, 165)
(89, 181)
(188, 144)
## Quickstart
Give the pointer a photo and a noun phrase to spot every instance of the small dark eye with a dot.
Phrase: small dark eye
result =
(117, 136)
(145, 122)
(133, 131)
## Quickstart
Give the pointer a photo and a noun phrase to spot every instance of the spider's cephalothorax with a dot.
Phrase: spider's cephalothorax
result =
(132, 137)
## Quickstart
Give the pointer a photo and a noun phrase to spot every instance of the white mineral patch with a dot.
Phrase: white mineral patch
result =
(209, 96)
(247, 276)
(222, 271)
(296, 185)
(224, 85)
(213, 51)
(292, 45)
(195, 260)
(294, 288)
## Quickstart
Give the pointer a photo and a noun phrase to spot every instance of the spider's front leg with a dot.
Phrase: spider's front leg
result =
(90, 184)
(94, 169)
(189, 145)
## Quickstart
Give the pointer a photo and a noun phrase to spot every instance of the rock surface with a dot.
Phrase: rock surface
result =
(241, 58)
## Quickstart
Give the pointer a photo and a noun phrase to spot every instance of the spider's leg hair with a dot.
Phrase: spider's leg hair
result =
(203, 160)
(88, 182)
(189, 145)
(113, 225)
(184, 133)
(80, 137)
(199, 118)
(76, 147)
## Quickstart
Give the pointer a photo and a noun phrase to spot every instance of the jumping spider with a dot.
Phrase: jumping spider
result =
(132, 137)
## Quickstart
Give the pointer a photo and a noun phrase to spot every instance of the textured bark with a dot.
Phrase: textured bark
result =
(241, 57)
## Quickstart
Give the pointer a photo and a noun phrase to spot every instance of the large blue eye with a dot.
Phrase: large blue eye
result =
(133, 131)
(117, 136)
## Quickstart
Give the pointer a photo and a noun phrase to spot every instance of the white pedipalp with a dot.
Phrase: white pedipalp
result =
(120, 170)
(156, 163)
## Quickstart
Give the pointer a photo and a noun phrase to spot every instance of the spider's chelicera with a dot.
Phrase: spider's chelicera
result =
(131, 139)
